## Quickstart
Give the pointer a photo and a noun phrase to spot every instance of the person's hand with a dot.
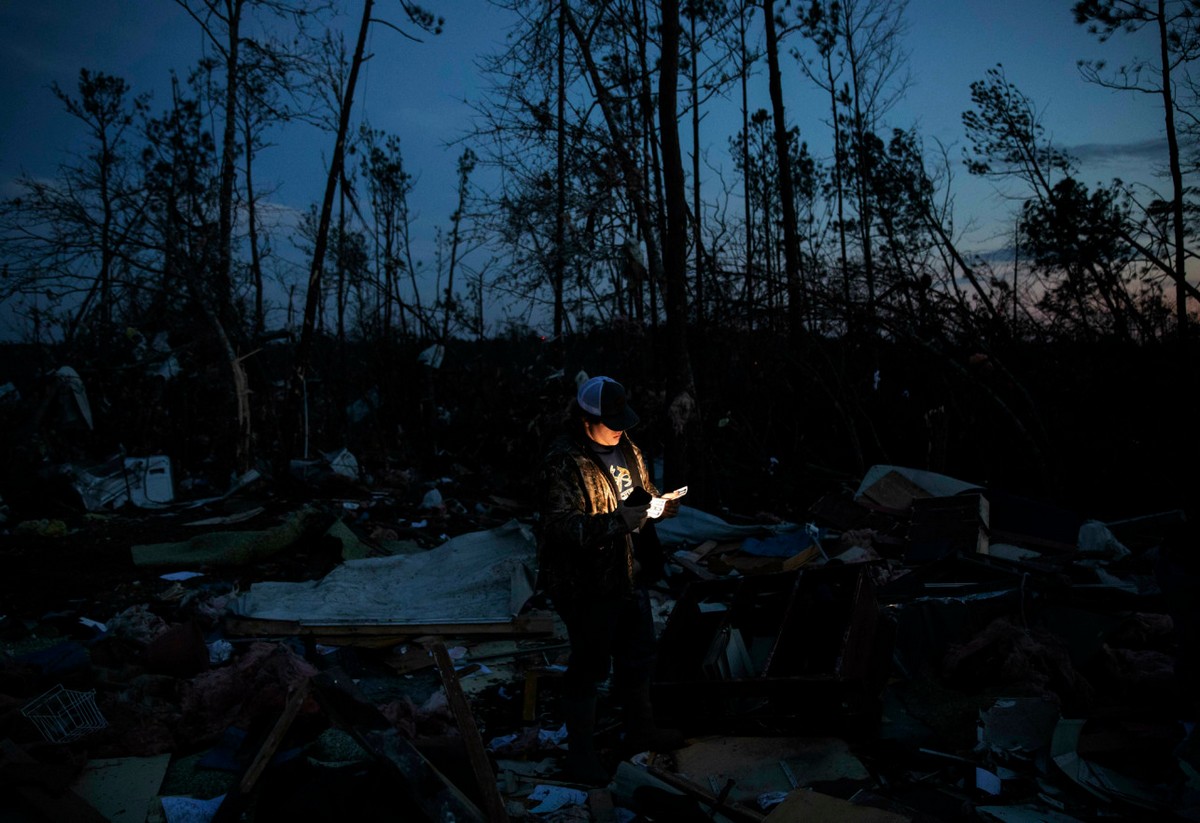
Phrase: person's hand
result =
(634, 516)
(670, 508)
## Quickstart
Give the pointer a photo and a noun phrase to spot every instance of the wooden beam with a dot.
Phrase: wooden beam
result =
(694, 568)
(235, 801)
(275, 738)
(529, 708)
(378, 635)
(731, 809)
(476, 754)
(421, 783)
(529, 705)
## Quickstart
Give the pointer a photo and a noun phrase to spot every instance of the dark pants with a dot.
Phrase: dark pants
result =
(615, 632)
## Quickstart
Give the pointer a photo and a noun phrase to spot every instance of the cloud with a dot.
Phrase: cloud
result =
(1153, 150)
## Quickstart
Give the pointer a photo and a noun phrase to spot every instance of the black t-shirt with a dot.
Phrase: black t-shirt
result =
(614, 459)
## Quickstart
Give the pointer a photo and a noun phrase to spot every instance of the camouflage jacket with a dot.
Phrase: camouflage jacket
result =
(584, 547)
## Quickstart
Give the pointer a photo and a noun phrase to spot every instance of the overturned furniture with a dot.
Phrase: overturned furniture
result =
(790, 651)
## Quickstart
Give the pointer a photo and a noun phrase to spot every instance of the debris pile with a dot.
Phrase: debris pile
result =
(918, 649)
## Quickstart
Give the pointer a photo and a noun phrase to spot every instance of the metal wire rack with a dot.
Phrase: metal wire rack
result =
(63, 715)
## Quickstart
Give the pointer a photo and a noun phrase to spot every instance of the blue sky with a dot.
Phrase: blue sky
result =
(410, 88)
(416, 89)
(1113, 134)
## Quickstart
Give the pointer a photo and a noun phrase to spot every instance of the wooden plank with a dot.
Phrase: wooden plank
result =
(731, 809)
(421, 782)
(801, 558)
(529, 707)
(694, 568)
(375, 635)
(235, 801)
(275, 738)
(476, 753)
(532, 675)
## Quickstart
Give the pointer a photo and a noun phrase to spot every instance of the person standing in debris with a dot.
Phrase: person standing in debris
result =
(594, 523)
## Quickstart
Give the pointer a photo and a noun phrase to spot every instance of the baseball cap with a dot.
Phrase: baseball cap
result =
(604, 398)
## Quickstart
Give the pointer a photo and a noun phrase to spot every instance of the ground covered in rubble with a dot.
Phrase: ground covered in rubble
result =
(914, 648)
(1012, 640)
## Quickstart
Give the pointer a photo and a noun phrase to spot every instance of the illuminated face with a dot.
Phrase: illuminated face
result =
(602, 434)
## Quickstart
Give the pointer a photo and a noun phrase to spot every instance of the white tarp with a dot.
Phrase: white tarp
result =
(480, 577)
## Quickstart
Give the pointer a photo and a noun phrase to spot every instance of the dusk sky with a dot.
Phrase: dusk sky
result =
(416, 90)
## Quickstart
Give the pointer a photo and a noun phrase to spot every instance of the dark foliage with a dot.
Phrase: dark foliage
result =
(1085, 427)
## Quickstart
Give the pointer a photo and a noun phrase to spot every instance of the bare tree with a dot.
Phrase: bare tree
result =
(562, 209)
(681, 388)
(791, 229)
(466, 165)
(69, 239)
(630, 169)
(241, 52)
(389, 185)
(819, 25)
(426, 22)
(711, 45)
(560, 173)
(860, 40)
(745, 61)
(1176, 32)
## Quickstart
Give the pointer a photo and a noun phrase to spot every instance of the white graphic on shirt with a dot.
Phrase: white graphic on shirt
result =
(623, 479)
